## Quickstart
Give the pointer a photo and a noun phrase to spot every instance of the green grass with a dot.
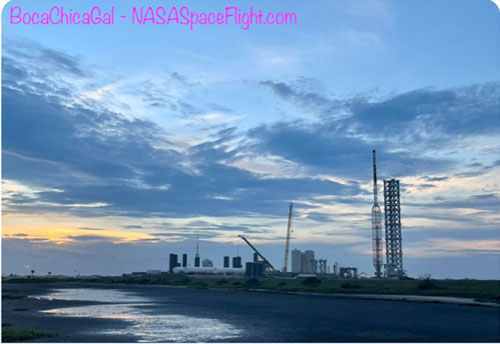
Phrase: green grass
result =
(482, 290)
(18, 335)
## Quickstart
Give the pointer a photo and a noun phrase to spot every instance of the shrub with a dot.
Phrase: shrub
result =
(311, 281)
(252, 282)
(16, 335)
(282, 284)
(236, 283)
(349, 285)
(200, 284)
(222, 281)
(426, 283)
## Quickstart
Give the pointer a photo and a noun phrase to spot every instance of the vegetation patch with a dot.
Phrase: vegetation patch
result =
(484, 290)
(18, 335)
(200, 284)
(311, 281)
(426, 283)
(252, 282)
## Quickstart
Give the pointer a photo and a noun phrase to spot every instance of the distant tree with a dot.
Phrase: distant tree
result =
(426, 276)
(32, 273)
(426, 282)
(311, 281)
(49, 273)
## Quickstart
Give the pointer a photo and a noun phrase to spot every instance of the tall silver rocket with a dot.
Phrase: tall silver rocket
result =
(376, 224)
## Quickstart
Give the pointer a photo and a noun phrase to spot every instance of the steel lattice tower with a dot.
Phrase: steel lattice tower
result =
(376, 224)
(392, 210)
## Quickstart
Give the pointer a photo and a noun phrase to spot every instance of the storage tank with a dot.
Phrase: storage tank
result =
(237, 262)
(308, 258)
(296, 261)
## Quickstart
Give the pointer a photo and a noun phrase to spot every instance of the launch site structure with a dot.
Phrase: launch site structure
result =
(392, 211)
(376, 224)
(288, 232)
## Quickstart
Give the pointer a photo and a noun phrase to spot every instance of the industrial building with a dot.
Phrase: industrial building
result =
(207, 263)
(392, 211)
(237, 262)
(207, 267)
(172, 262)
(254, 269)
(208, 271)
(348, 272)
(304, 262)
(296, 261)
(319, 266)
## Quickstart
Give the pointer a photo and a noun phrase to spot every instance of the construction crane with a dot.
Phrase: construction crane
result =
(269, 265)
(376, 224)
(288, 231)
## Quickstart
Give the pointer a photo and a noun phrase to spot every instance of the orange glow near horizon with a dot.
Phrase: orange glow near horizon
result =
(57, 229)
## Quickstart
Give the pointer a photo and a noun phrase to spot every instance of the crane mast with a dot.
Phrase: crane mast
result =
(288, 231)
(268, 264)
(376, 224)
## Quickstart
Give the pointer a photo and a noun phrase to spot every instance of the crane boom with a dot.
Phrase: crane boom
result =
(288, 231)
(258, 253)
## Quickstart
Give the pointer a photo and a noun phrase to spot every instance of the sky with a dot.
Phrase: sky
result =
(124, 143)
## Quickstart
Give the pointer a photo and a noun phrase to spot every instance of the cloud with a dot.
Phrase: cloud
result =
(308, 100)
(450, 247)
(73, 153)
(90, 238)
(327, 151)
(430, 116)
(92, 156)
(30, 51)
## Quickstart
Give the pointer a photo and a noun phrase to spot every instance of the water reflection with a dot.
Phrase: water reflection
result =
(93, 294)
(143, 323)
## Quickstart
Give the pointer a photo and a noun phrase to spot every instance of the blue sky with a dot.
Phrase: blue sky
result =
(123, 143)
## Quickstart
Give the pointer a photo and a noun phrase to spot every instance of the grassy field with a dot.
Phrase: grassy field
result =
(481, 290)
(18, 335)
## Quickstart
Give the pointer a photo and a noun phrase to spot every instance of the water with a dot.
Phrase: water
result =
(93, 294)
(137, 312)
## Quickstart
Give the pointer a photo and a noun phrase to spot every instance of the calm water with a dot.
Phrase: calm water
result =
(136, 311)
